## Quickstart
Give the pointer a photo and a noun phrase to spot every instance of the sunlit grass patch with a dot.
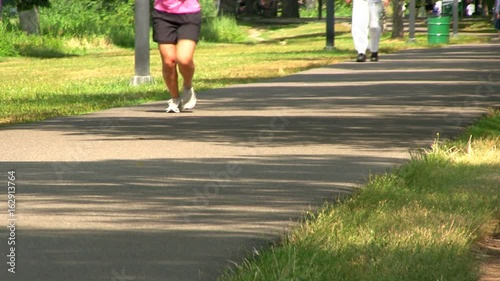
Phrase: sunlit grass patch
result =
(88, 74)
(420, 222)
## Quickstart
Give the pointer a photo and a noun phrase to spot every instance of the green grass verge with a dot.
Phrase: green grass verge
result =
(485, 128)
(420, 222)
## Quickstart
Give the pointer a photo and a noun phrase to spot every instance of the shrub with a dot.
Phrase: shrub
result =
(208, 8)
(78, 18)
(7, 48)
(120, 24)
(111, 19)
(222, 30)
(40, 46)
(122, 36)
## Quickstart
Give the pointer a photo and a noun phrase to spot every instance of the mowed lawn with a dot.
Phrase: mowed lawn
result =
(36, 88)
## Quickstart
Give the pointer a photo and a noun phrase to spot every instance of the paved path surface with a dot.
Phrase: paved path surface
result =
(136, 194)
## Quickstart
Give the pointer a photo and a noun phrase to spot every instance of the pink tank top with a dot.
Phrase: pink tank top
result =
(178, 6)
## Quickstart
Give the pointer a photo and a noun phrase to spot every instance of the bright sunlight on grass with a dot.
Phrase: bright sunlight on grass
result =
(420, 222)
(35, 89)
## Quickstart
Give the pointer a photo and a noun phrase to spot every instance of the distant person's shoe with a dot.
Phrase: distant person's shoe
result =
(189, 99)
(174, 105)
(361, 58)
(374, 56)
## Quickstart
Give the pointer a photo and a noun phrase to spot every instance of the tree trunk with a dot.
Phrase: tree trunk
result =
(219, 9)
(397, 19)
(249, 7)
(30, 21)
(485, 6)
(290, 9)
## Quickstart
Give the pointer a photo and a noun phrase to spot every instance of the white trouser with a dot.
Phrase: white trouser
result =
(366, 19)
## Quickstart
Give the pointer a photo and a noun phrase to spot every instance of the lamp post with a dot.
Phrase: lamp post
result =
(142, 15)
(330, 25)
(411, 35)
(455, 18)
(320, 9)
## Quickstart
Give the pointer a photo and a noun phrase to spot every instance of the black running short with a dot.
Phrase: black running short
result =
(169, 28)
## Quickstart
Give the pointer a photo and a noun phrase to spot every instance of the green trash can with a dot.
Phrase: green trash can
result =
(438, 29)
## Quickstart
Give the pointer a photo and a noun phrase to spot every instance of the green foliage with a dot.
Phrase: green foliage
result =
(222, 29)
(83, 18)
(40, 46)
(208, 8)
(7, 48)
(123, 37)
(120, 24)
(111, 19)
(76, 19)
(487, 127)
(15, 42)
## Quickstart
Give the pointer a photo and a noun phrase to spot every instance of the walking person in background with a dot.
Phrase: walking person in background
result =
(497, 16)
(429, 6)
(176, 29)
(438, 8)
(366, 27)
(470, 9)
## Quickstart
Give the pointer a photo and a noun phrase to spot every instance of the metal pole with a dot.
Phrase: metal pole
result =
(142, 15)
(330, 24)
(455, 18)
(320, 9)
(411, 35)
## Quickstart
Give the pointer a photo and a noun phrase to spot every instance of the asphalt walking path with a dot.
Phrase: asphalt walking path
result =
(137, 194)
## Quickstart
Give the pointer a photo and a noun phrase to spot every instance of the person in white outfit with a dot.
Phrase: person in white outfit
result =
(366, 27)
(471, 9)
(438, 7)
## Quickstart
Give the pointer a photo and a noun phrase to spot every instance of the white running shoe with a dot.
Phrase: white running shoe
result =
(189, 98)
(174, 105)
